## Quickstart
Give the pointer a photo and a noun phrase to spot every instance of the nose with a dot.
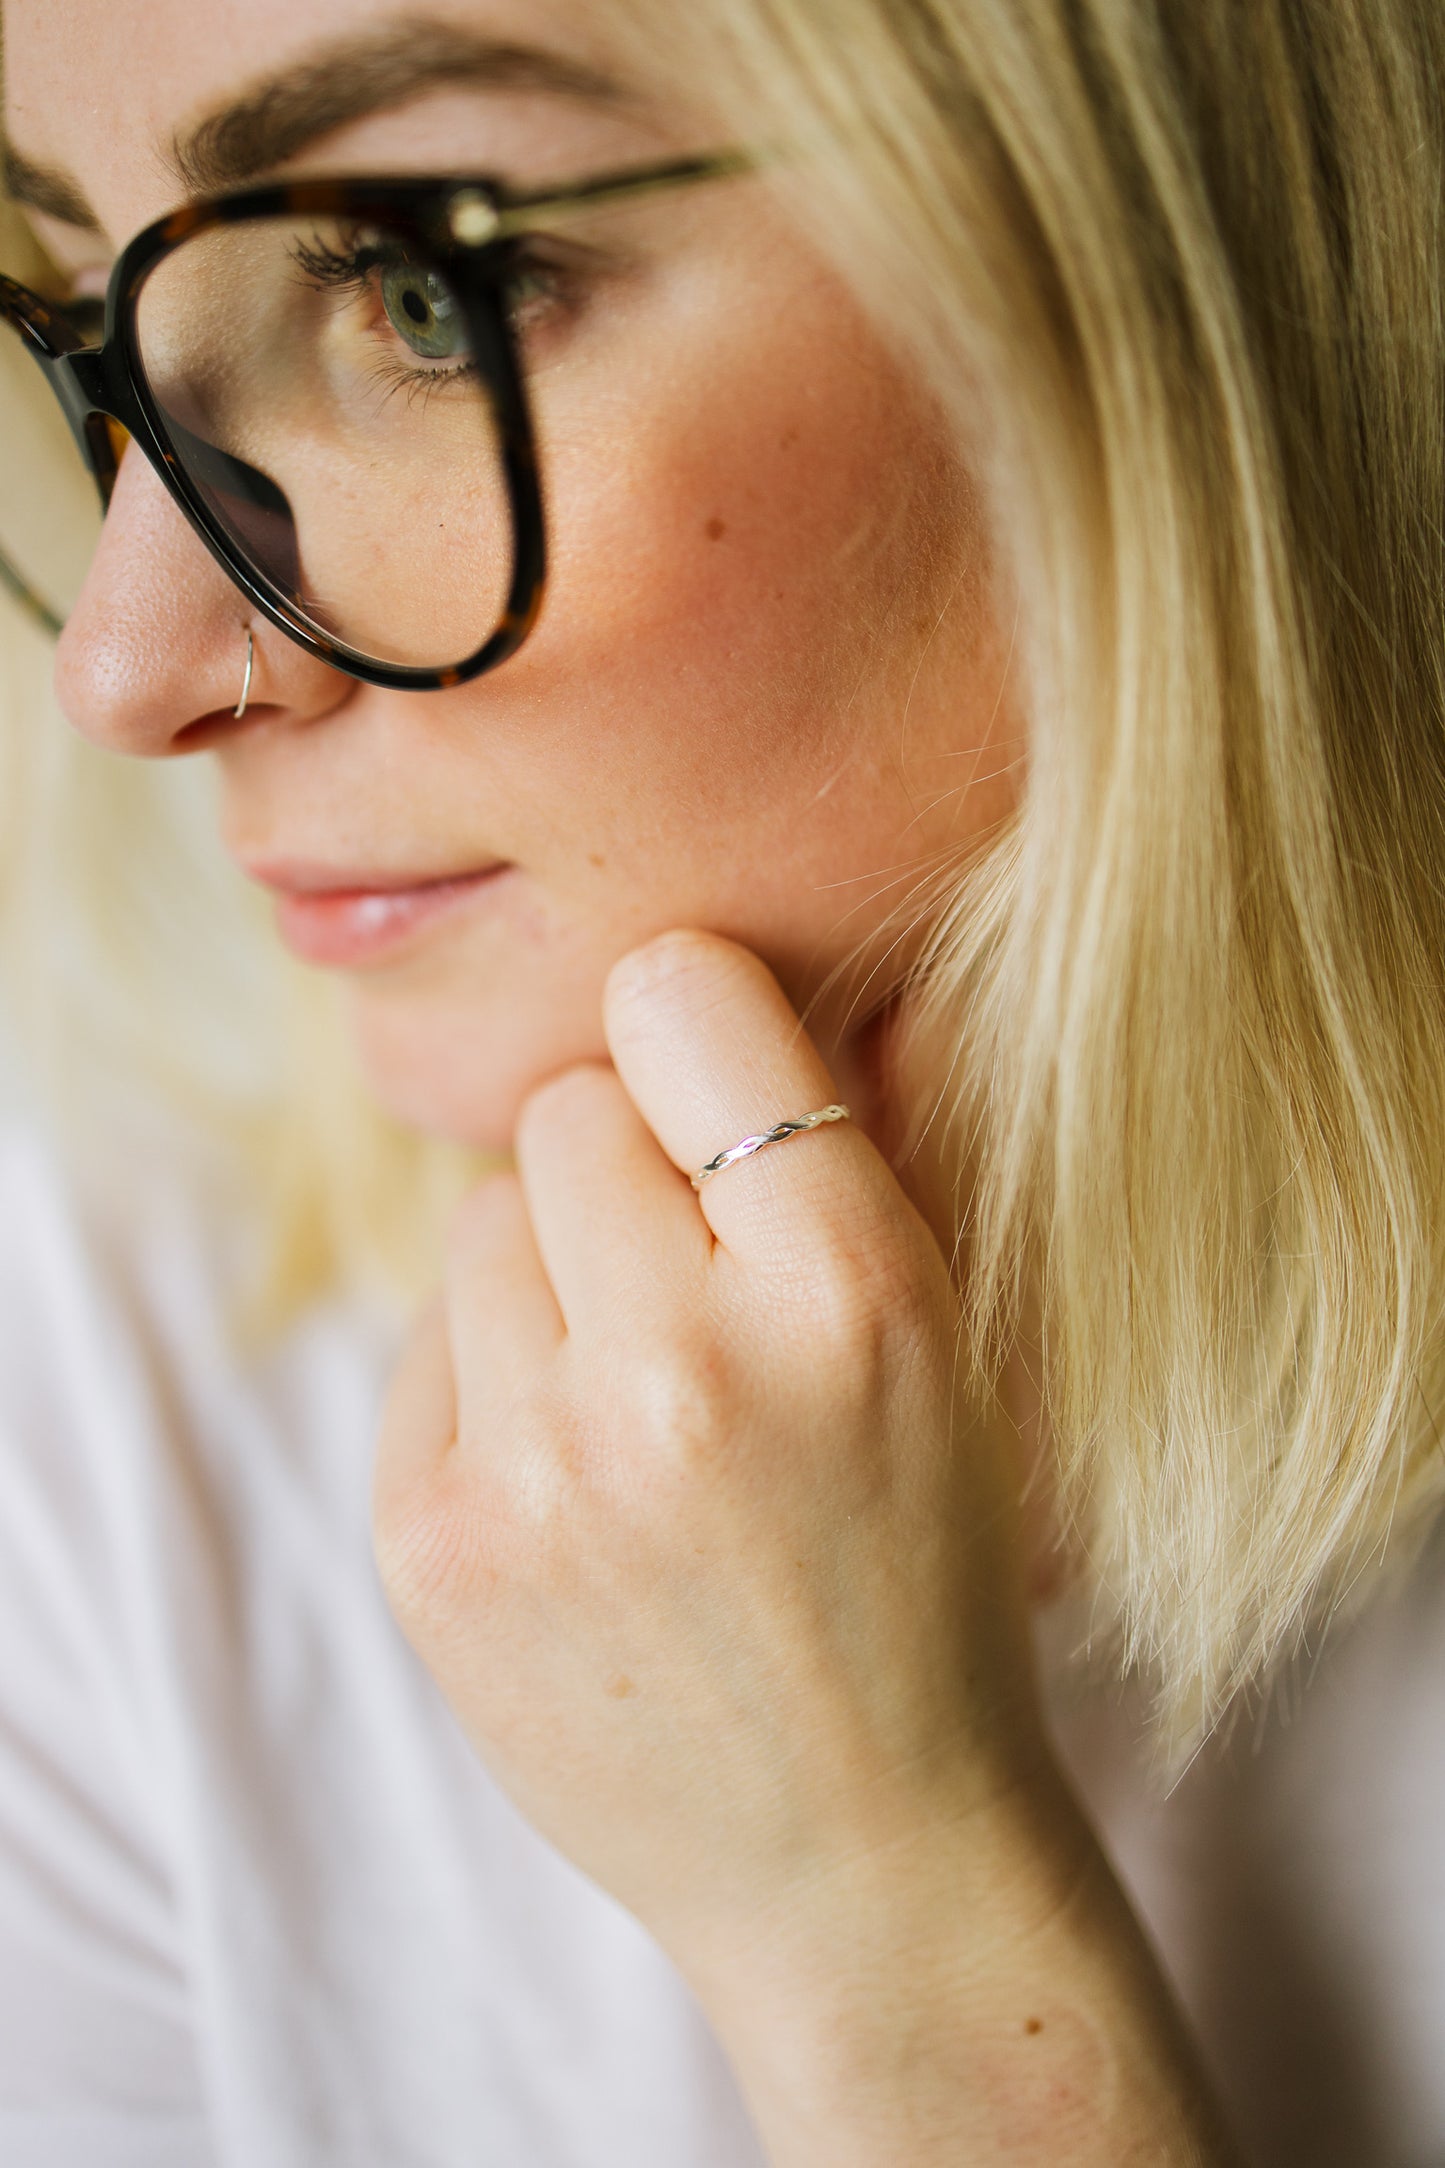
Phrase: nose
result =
(152, 660)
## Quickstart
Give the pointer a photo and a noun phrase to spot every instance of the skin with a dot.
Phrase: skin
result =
(674, 1493)
(708, 727)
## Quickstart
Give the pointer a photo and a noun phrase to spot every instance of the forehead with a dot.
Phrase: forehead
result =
(103, 92)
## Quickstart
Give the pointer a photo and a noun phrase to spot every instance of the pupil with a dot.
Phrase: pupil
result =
(420, 312)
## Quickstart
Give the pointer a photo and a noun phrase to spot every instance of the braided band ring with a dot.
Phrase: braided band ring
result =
(777, 1135)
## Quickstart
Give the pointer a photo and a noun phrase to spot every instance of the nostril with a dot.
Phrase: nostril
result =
(209, 730)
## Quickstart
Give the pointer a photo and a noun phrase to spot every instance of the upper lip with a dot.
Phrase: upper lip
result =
(306, 877)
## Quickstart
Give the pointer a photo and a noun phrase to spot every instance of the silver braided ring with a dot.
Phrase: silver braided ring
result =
(749, 1145)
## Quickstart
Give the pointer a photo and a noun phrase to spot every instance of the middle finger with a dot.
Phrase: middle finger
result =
(615, 1222)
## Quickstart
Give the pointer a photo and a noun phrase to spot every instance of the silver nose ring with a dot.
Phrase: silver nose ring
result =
(250, 666)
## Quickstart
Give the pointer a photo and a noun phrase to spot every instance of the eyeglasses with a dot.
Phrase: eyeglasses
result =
(334, 381)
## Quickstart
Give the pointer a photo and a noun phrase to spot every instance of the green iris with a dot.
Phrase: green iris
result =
(422, 311)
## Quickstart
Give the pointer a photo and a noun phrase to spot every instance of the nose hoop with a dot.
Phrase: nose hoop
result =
(250, 665)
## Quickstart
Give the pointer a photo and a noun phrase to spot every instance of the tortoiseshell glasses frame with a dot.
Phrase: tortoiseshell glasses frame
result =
(464, 228)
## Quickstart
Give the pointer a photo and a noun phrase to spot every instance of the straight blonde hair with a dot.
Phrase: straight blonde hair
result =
(1176, 269)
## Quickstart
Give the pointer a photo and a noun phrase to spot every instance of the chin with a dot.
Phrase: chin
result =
(460, 1070)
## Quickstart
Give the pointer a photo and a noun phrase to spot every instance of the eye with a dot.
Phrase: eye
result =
(423, 313)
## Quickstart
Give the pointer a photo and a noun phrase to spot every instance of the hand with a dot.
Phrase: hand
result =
(676, 1495)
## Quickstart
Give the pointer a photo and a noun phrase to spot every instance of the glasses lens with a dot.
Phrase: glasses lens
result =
(318, 387)
(49, 508)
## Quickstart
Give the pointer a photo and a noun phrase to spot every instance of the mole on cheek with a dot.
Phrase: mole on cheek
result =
(715, 530)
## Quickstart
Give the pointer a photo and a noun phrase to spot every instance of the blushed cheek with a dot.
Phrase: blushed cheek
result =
(741, 544)
(747, 563)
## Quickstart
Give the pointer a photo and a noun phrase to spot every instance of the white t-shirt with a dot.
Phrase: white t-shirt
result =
(260, 1906)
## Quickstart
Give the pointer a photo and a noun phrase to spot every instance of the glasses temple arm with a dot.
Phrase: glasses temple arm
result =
(28, 600)
(523, 214)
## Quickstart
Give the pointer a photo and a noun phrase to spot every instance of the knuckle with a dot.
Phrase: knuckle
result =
(865, 1289)
(425, 1543)
(546, 1471)
(501, 1515)
(683, 1404)
(842, 1309)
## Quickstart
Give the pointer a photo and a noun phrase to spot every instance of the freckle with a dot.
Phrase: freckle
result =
(715, 530)
(595, 858)
(1034, 2025)
(620, 1687)
(789, 439)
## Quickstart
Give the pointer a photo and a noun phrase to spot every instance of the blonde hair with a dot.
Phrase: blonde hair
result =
(1176, 267)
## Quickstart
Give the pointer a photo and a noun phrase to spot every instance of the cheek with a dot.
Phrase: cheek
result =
(730, 546)
(745, 585)
(706, 728)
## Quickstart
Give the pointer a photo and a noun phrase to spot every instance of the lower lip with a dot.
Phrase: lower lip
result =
(347, 927)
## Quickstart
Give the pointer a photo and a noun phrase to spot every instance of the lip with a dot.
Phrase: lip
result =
(348, 918)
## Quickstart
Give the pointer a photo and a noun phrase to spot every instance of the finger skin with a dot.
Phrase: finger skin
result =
(503, 1318)
(711, 1051)
(615, 1224)
(722, 1588)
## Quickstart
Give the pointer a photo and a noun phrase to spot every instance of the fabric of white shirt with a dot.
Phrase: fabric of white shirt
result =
(261, 1907)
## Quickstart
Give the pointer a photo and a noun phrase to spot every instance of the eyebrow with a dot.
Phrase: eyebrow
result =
(279, 116)
(45, 188)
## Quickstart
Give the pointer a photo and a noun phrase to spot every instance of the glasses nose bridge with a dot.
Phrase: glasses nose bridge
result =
(90, 389)
(96, 405)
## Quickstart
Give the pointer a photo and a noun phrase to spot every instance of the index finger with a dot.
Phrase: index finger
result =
(711, 1052)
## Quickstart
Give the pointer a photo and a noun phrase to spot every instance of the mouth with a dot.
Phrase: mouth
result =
(345, 919)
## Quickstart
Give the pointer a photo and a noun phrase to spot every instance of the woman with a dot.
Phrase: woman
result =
(990, 464)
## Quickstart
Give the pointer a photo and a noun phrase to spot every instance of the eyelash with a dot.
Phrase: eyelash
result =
(348, 271)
